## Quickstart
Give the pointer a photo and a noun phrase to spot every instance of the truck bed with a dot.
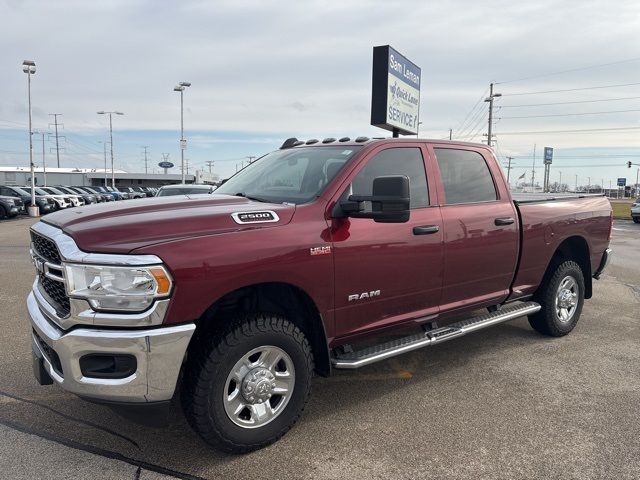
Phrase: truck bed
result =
(520, 198)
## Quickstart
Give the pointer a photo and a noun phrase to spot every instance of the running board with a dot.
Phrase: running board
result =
(375, 353)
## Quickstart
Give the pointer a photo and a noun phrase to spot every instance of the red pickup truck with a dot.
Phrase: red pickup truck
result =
(318, 256)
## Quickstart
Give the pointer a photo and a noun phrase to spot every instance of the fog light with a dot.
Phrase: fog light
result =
(108, 366)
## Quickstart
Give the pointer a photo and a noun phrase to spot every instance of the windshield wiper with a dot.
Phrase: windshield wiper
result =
(250, 197)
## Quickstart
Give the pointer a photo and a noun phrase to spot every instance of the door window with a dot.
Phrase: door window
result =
(395, 161)
(466, 176)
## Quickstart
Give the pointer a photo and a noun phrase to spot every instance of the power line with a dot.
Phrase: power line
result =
(479, 102)
(583, 130)
(571, 114)
(568, 103)
(571, 89)
(571, 70)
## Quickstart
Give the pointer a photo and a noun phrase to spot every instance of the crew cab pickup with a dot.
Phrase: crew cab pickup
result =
(322, 255)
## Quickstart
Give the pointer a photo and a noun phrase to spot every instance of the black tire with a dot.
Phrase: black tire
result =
(547, 321)
(3, 212)
(636, 219)
(210, 364)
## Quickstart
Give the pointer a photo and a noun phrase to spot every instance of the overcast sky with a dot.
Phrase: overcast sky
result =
(262, 72)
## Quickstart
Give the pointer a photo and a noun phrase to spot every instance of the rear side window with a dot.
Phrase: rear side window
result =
(465, 175)
(395, 161)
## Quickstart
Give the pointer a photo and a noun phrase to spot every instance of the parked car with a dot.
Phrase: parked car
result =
(60, 201)
(89, 197)
(133, 192)
(74, 199)
(99, 193)
(45, 204)
(635, 211)
(109, 190)
(303, 261)
(183, 189)
(10, 207)
(147, 191)
(82, 198)
(119, 194)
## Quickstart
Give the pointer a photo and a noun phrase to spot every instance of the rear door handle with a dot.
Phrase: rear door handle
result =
(504, 221)
(426, 229)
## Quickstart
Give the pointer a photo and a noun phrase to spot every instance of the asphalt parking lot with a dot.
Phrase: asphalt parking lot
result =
(503, 403)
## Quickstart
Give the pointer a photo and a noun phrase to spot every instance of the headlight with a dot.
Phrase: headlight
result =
(117, 288)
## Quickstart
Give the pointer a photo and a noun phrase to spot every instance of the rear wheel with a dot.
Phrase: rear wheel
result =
(246, 388)
(561, 296)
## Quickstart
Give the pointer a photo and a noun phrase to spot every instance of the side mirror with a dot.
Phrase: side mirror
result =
(390, 201)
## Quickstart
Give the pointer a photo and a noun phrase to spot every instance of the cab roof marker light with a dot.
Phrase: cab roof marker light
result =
(329, 140)
(311, 141)
(362, 139)
(344, 139)
(289, 142)
(298, 143)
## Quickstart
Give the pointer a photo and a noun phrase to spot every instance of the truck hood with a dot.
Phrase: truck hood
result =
(123, 227)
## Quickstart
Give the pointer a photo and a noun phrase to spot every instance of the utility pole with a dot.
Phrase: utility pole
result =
(560, 187)
(44, 166)
(251, 158)
(104, 144)
(509, 169)
(55, 124)
(588, 184)
(451, 134)
(209, 164)
(165, 158)
(533, 171)
(101, 112)
(489, 99)
(145, 158)
(576, 183)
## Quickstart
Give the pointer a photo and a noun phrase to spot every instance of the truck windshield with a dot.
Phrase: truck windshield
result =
(296, 175)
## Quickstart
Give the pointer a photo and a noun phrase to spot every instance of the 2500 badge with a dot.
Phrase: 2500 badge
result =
(263, 216)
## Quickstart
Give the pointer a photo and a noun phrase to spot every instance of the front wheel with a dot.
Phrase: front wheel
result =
(561, 296)
(246, 388)
(636, 219)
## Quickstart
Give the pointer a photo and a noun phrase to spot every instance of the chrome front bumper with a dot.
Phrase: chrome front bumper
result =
(159, 353)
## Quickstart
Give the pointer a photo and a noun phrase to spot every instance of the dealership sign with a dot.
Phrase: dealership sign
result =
(165, 165)
(548, 155)
(395, 94)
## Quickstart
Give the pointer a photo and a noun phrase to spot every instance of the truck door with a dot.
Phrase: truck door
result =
(386, 273)
(481, 238)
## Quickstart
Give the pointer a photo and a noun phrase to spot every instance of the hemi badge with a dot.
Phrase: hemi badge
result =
(263, 216)
(320, 250)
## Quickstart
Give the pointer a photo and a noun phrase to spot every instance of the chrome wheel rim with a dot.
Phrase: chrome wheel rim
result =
(566, 299)
(259, 387)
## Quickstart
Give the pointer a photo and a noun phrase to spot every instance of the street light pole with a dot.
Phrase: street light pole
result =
(29, 67)
(180, 88)
(101, 112)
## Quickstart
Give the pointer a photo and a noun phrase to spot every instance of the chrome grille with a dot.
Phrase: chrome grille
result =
(57, 295)
(54, 290)
(45, 248)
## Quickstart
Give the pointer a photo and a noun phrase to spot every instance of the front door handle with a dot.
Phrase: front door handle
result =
(426, 229)
(500, 222)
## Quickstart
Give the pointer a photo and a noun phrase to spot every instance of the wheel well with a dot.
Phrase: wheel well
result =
(576, 249)
(281, 298)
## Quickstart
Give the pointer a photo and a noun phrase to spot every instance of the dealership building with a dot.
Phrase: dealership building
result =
(96, 177)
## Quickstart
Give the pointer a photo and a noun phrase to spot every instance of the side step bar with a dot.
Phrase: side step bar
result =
(360, 358)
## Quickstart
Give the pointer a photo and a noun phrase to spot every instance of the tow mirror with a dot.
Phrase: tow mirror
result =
(388, 203)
